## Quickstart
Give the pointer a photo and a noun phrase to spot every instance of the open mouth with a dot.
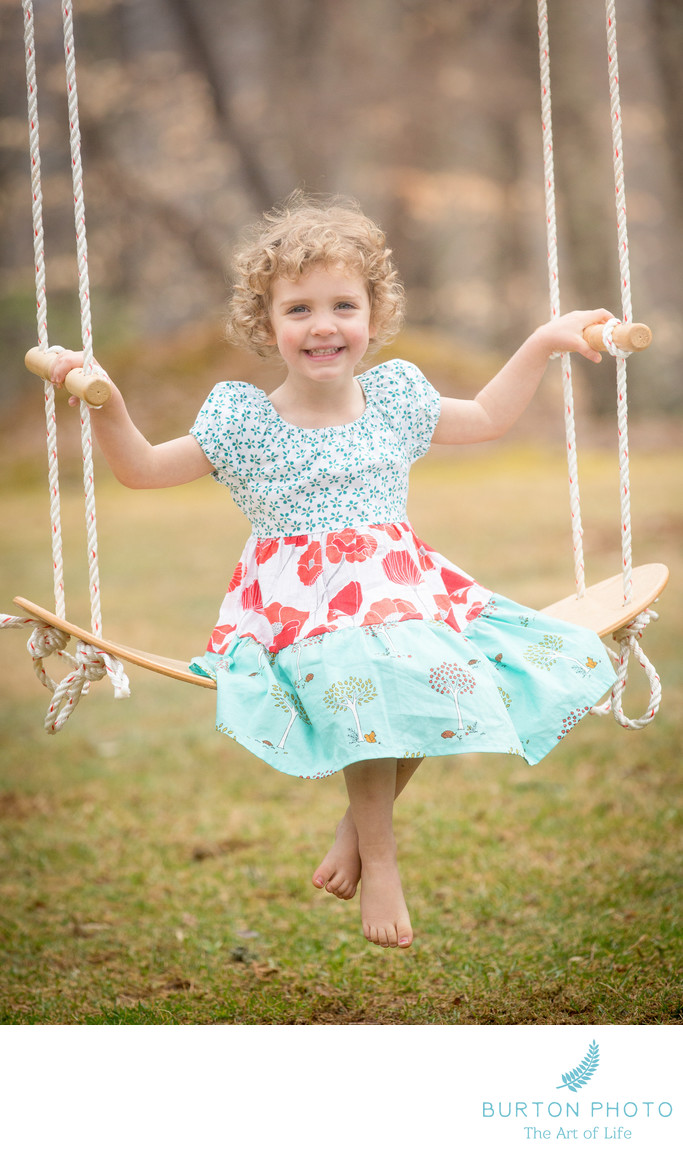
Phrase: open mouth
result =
(322, 352)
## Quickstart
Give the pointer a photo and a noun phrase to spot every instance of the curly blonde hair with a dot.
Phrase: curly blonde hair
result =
(303, 232)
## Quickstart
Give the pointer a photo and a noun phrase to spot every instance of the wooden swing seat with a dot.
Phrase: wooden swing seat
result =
(601, 609)
(173, 668)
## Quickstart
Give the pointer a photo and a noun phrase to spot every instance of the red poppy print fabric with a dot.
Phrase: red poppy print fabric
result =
(355, 546)
(290, 588)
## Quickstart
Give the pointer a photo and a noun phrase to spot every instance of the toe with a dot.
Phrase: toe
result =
(405, 935)
(321, 879)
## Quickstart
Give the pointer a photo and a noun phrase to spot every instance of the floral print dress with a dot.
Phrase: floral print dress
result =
(343, 636)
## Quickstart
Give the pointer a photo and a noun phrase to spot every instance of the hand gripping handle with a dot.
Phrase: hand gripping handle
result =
(94, 389)
(625, 336)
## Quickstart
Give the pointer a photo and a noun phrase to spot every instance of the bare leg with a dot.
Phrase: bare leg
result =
(339, 871)
(384, 914)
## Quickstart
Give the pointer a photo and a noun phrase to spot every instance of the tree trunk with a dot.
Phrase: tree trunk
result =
(198, 38)
(667, 18)
(283, 740)
(351, 704)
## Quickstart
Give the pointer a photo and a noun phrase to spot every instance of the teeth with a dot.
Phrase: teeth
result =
(323, 350)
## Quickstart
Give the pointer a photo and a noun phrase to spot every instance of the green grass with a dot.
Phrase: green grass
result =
(152, 872)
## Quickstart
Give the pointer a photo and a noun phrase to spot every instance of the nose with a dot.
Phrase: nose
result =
(324, 323)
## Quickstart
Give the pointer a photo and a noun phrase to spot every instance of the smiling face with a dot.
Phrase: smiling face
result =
(321, 323)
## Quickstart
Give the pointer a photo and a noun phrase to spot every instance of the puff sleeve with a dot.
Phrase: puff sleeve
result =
(220, 427)
(409, 403)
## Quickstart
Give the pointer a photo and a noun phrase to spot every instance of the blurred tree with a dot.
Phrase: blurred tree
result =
(203, 51)
(667, 18)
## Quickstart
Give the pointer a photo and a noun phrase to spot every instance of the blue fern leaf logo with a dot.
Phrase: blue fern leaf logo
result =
(575, 1079)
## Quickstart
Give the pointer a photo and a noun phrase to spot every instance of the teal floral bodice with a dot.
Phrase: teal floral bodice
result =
(288, 480)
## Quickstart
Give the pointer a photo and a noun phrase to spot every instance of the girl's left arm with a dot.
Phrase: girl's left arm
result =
(499, 405)
(133, 459)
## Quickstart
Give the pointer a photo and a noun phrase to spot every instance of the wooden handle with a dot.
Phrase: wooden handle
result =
(626, 336)
(92, 388)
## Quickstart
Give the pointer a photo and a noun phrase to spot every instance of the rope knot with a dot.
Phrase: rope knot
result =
(94, 664)
(628, 638)
(46, 640)
(634, 630)
(89, 665)
(608, 340)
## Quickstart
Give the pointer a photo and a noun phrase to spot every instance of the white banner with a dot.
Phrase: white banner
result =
(483, 1088)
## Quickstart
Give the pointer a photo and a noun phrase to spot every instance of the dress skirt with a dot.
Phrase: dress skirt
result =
(365, 643)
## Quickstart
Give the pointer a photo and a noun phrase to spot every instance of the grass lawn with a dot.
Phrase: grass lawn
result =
(152, 872)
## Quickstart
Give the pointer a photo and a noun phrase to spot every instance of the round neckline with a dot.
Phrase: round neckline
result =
(324, 426)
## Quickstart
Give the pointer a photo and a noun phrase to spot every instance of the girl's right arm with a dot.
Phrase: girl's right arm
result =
(134, 461)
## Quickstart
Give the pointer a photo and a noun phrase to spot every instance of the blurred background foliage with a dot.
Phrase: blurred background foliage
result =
(195, 116)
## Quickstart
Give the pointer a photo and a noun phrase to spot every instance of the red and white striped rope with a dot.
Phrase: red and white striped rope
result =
(87, 666)
(41, 308)
(625, 284)
(86, 322)
(628, 637)
(629, 644)
(89, 663)
(554, 290)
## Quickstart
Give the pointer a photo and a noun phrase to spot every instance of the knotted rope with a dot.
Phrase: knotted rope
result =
(90, 663)
(628, 637)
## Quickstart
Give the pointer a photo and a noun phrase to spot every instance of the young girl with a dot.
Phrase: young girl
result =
(344, 642)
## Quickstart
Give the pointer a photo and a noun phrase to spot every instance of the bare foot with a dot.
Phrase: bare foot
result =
(383, 909)
(339, 871)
